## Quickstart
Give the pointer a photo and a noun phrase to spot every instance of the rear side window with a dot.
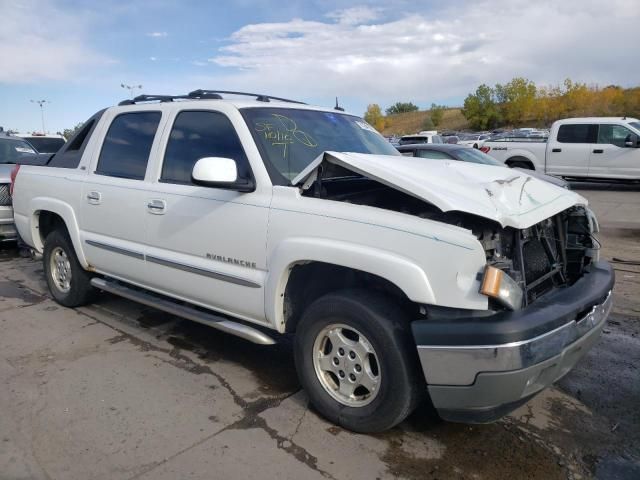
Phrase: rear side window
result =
(200, 134)
(127, 146)
(614, 134)
(577, 133)
(434, 154)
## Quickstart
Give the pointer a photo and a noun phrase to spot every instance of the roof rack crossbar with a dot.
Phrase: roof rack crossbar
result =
(259, 97)
(201, 94)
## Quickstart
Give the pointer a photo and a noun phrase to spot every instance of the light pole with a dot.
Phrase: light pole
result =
(131, 88)
(41, 103)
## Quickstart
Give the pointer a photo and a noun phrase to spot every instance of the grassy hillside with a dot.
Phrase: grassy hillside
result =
(412, 122)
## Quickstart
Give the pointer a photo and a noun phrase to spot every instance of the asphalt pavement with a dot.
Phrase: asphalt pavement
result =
(116, 390)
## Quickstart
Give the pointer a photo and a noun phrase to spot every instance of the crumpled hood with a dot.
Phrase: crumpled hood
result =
(510, 197)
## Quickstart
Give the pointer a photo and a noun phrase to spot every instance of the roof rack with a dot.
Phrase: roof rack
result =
(259, 97)
(201, 94)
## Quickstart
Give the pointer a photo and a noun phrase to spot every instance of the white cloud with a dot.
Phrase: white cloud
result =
(33, 49)
(157, 34)
(355, 15)
(153, 59)
(443, 54)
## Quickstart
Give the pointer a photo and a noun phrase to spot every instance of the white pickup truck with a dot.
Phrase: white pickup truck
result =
(473, 284)
(606, 148)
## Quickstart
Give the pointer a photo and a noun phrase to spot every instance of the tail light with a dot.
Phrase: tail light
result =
(14, 173)
(484, 149)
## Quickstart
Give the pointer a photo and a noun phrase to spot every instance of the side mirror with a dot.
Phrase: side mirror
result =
(632, 141)
(218, 172)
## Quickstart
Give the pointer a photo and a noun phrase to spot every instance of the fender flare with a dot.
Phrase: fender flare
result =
(400, 271)
(66, 212)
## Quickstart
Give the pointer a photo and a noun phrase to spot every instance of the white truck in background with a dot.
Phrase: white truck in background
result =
(596, 148)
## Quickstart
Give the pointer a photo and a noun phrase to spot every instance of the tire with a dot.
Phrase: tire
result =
(520, 164)
(69, 284)
(378, 322)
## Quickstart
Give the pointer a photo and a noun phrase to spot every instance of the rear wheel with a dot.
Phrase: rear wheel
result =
(356, 359)
(520, 164)
(68, 282)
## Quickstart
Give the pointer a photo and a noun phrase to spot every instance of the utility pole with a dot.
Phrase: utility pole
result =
(131, 88)
(41, 103)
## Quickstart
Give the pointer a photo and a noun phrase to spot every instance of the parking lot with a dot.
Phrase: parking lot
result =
(117, 390)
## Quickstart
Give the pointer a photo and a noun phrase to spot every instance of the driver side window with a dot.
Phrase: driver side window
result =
(613, 134)
(196, 135)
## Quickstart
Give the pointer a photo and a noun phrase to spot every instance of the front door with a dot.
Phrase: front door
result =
(113, 212)
(207, 245)
(611, 157)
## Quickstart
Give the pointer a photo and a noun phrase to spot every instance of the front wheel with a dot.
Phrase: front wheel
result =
(357, 361)
(68, 282)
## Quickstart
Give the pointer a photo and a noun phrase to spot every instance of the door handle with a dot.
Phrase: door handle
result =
(598, 150)
(556, 150)
(94, 198)
(157, 207)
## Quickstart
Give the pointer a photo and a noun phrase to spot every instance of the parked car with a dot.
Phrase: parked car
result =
(44, 143)
(474, 139)
(451, 139)
(606, 148)
(12, 151)
(471, 155)
(397, 277)
(420, 138)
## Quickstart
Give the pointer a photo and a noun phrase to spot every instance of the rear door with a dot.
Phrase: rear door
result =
(114, 198)
(611, 158)
(568, 152)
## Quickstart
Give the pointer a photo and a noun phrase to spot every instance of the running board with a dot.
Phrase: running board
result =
(162, 303)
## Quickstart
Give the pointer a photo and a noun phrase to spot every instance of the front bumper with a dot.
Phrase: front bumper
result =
(479, 369)
(7, 226)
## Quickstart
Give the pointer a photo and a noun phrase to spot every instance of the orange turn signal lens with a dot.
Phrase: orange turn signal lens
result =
(491, 281)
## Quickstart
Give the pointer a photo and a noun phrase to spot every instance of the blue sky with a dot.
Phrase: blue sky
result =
(76, 54)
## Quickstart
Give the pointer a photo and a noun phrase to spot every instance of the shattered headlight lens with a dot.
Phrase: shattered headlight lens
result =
(500, 286)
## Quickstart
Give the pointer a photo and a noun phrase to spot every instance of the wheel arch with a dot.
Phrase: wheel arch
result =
(520, 159)
(323, 265)
(49, 214)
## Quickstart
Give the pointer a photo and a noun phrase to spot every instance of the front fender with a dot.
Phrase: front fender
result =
(66, 212)
(400, 271)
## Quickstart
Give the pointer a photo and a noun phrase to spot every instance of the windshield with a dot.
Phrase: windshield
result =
(635, 125)
(13, 150)
(472, 155)
(290, 139)
(46, 145)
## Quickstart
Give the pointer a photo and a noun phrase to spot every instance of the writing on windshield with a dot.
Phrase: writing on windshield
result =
(284, 131)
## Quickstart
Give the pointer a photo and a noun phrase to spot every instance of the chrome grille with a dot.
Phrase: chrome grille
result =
(5, 198)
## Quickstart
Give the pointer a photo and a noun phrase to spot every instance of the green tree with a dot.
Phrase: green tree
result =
(437, 112)
(480, 108)
(428, 124)
(373, 116)
(516, 100)
(70, 132)
(401, 107)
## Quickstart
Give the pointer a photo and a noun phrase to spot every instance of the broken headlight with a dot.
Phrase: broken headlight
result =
(498, 285)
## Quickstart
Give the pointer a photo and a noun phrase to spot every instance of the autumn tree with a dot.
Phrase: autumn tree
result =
(373, 116)
(516, 100)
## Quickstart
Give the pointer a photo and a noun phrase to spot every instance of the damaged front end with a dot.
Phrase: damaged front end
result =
(551, 254)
